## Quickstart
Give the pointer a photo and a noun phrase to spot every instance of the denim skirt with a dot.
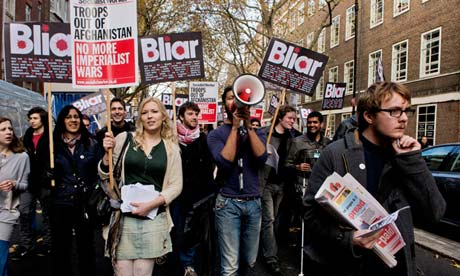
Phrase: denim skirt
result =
(144, 239)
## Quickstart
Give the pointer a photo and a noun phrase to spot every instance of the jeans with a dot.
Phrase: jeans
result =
(271, 199)
(238, 229)
(4, 247)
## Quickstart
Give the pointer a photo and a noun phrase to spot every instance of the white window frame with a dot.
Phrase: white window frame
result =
(397, 3)
(321, 4)
(423, 51)
(333, 74)
(322, 41)
(345, 116)
(335, 31)
(348, 76)
(397, 61)
(331, 124)
(311, 8)
(28, 13)
(372, 66)
(350, 23)
(374, 19)
(425, 122)
(320, 88)
(292, 22)
(300, 14)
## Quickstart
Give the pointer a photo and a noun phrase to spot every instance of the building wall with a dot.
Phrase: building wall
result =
(442, 90)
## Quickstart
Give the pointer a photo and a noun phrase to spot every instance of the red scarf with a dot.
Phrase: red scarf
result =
(186, 135)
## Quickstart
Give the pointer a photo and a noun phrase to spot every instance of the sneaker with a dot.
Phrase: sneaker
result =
(20, 252)
(189, 271)
(274, 268)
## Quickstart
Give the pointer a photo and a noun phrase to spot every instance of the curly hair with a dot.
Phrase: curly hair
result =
(16, 145)
(167, 130)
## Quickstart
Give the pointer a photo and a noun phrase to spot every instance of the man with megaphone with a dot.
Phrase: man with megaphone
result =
(239, 152)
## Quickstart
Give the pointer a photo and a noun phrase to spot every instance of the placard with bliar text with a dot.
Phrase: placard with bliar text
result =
(333, 96)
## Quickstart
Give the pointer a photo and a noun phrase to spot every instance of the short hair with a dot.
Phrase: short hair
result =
(316, 114)
(226, 89)
(284, 109)
(85, 117)
(188, 105)
(375, 95)
(255, 120)
(42, 113)
(118, 100)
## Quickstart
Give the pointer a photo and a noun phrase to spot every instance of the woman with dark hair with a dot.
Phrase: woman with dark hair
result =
(76, 156)
(14, 172)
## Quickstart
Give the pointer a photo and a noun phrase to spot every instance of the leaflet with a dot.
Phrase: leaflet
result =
(138, 193)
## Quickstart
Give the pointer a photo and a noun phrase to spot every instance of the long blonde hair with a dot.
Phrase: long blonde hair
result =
(166, 133)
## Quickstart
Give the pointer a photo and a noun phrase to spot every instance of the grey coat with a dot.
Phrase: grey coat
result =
(405, 180)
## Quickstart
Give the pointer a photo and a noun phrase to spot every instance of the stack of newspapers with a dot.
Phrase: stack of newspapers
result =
(347, 200)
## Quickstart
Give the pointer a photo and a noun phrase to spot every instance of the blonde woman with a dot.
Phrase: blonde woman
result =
(152, 157)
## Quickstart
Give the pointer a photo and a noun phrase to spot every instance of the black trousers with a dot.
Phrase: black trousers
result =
(66, 221)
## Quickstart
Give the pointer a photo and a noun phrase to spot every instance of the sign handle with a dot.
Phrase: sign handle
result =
(283, 96)
(50, 132)
(173, 95)
(109, 128)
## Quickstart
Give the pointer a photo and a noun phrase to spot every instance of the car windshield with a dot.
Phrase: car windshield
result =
(435, 157)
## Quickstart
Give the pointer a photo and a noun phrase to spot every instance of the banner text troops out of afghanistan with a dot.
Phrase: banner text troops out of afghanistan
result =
(105, 43)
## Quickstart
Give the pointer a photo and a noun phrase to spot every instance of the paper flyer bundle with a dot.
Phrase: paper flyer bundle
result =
(138, 193)
(346, 199)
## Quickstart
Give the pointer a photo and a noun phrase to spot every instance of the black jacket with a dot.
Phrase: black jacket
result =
(38, 159)
(405, 181)
(75, 174)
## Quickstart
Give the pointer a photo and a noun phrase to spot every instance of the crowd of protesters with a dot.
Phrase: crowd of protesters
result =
(215, 193)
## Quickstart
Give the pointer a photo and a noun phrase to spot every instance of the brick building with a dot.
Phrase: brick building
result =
(416, 40)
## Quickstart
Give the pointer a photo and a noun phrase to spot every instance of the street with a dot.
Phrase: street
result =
(430, 262)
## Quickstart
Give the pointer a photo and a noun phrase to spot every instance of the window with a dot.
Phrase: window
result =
(307, 98)
(348, 75)
(310, 37)
(399, 62)
(335, 28)
(400, 6)
(334, 74)
(28, 14)
(320, 88)
(430, 53)
(292, 22)
(426, 122)
(376, 12)
(372, 72)
(345, 116)
(330, 127)
(350, 23)
(301, 42)
(322, 41)
(311, 8)
(39, 11)
(300, 14)
(435, 157)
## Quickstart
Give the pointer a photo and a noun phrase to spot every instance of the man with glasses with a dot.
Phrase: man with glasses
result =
(388, 163)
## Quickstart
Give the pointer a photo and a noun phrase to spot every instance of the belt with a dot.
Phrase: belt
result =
(246, 198)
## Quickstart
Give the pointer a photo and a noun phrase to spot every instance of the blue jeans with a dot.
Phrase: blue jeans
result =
(271, 199)
(4, 247)
(238, 229)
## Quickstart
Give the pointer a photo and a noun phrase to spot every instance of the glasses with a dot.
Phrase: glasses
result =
(70, 117)
(398, 112)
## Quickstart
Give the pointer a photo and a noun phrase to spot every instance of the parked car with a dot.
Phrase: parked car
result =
(444, 163)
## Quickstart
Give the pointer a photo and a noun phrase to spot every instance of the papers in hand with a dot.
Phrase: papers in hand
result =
(376, 226)
(138, 193)
(273, 157)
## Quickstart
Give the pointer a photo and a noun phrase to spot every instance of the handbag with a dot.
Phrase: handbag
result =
(98, 201)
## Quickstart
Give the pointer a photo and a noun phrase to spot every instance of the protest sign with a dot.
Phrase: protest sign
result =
(104, 50)
(167, 99)
(204, 94)
(292, 66)
(171, 57)
(274, 101)
(334, 94)
(38, 52)
(257, 111)
(92, 104)
(304, 114)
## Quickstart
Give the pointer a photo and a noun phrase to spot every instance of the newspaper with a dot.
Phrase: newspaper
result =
(349, 201)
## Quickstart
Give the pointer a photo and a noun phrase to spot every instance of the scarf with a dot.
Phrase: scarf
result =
(71, 142)
(185, 135)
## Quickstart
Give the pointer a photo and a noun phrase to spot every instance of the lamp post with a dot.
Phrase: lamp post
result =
(355, 57)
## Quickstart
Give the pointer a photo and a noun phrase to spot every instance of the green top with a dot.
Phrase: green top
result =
(144, 169)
